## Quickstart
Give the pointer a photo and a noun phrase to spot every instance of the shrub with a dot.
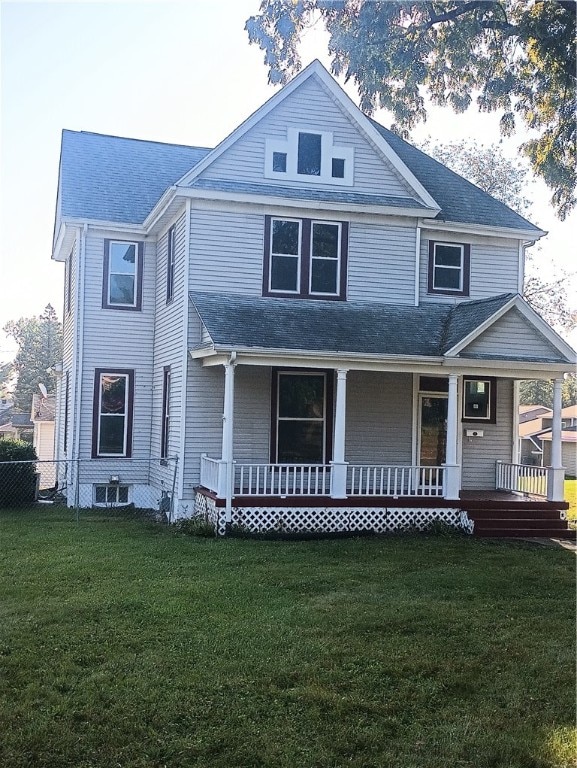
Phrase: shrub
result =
(195, 526)
(17, 481)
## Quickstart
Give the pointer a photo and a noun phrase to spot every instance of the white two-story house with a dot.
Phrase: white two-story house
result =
(320, 322)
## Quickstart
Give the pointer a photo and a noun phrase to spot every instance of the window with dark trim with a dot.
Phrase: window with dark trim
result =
(305, 258)
(122, 277)
(480, 399)
(302, 412)
(112, 413)
(449, 268)
(170, 262)
(165, 427)
(110, 495)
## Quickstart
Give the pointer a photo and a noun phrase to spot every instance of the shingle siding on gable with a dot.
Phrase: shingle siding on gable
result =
(512, 334)
(308, 107)
(494, 266)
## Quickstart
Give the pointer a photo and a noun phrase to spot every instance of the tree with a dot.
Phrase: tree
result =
(540, 392)
(40, 346)
(508, 180)
(514, 57)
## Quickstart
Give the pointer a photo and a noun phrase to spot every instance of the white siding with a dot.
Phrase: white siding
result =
(512, 334)
(379, 418)
(226, 252)
(481, 453)
(309, 107)
(117, 339)
(170, 338)
(69, 340)
(494, 266)
(381, 263)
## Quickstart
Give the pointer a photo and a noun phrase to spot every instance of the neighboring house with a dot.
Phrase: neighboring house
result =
(17, 427)
(43, 411)
(536, 433)
(320, 321)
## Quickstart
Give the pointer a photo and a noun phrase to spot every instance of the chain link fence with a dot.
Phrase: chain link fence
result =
(93, 488)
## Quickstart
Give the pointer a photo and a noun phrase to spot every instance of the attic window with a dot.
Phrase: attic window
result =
(308, 156)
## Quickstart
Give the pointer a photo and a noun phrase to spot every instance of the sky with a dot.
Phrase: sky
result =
(180, 72)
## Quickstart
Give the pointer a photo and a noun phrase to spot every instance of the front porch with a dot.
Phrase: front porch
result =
(298, 499)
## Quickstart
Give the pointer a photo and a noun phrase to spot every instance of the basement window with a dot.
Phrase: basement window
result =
(112, 495)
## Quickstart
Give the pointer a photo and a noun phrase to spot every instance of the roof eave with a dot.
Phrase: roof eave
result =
(243, 197)
(482, 229)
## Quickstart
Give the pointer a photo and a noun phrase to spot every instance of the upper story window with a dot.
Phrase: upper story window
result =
(122, 279)
(170, 264)
(112, 413)
(309, 155)
(449, 268)
(305, 257)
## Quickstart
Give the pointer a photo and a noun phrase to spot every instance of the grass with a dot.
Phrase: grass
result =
(124, 644)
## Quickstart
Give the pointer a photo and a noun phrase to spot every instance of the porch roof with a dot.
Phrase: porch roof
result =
(241, 322)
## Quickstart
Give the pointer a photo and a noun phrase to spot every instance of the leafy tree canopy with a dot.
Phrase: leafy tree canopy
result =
(39, 342)
(513, 57)
(540, 392)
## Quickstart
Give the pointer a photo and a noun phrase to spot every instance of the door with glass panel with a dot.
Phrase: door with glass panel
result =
(300, 418)
(432, 429)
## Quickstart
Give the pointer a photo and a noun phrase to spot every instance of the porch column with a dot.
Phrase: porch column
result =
(452, 480)
(227, 433)
(339, 465)
(556, 478)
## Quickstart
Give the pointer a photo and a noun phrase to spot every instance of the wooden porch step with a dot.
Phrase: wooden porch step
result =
(514, 513)
(531, 522)
(526, 533)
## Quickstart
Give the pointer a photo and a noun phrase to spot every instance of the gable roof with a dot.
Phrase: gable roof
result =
(115, 179)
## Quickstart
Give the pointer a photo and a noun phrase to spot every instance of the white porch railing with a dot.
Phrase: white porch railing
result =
(282, 479)
(378, 480)
(522, 478)
(316, 479)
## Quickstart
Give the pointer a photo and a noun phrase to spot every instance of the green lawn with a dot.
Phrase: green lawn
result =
(126, 645)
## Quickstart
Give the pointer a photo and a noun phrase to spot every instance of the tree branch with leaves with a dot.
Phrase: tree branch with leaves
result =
(513, 57)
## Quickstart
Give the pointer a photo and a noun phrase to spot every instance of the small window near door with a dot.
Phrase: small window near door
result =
(479, 399)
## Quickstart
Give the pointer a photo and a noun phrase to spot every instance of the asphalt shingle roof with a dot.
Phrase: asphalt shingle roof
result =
(356, 327)
(109, 178)
(460, 200)
(325, 195)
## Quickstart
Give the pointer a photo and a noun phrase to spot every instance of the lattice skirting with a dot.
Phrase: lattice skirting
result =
(329, 519)
(342, 519)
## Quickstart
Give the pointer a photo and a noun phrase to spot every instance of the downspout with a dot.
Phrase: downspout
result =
(78, 359)
(184, 364)
(417, 263)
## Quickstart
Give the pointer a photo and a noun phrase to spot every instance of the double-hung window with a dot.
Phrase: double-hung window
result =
(449, 267)
(122, 280)
(112, 414)
(305, 258)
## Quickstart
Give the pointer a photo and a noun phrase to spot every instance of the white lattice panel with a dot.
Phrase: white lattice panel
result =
(335, 519)
(206, 507)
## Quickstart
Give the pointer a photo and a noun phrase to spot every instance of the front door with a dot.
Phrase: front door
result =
(432, 430)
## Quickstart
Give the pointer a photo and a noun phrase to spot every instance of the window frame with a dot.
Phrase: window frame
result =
(328, 417)
(464, 269)
(491, 417)
(107, 487)
(165, 425)
(170, 263)
(289, 146)
(128, 374)
(136, 306)
(305, 260)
